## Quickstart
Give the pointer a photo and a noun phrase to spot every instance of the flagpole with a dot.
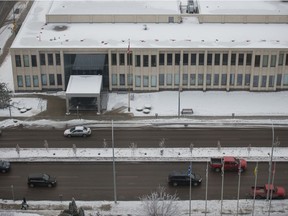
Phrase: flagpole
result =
(206, 192)
(239, 183)
(255, 184)
(222, 188)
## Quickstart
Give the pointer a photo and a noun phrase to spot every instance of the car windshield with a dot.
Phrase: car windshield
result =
(192, 176)
(46, 177)
(72, 129)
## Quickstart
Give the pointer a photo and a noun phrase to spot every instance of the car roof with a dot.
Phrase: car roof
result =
(79, 127)
(35, 175)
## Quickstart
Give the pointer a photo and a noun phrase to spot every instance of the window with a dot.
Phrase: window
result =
(44, 79)
(153, 60)
(185, 79)
(208, 79)
(177, 59)
(216, 80)
(33, 61)
(51, 79)
(27, 81)
(58, 59)
(255, 81)
(248, 59)
(121, 59)
(145, 60)
(240, 59)
(161, 59)
(286, 62)
(233, 59)
(200, 79)
(114, 80)
(138, 81)
(169, 59)
(285, 80)
(114, 59)
(35, 81)
(161, 79)
(239, 79)
(193, 79)
(153, 81)
(138, 61)
(20, 81)
(122, 79)
(247, 79)
(18, 61)
(50, 59)
(273, 61)
(129, 58)
(193, 58)
(265, 61)
(281, 59)
(42, 59)
(176, 79)
(201, 59)
(232, 79)
(170, 19)
(26, 60)
(225, 59)
(185, 59)
(169, 79)
(209, 59)
(279, 79)
(59, 79)
(223, 79)
(257, 61)
(130, 79)
(145, 81)
(271, 80)
(217, 59)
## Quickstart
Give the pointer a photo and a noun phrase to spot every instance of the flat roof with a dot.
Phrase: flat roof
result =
(35, 33)
(84, 86)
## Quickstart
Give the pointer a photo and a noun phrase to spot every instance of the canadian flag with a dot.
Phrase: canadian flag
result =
(128, 50)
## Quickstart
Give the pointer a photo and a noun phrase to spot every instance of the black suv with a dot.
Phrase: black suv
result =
(41, 179)
(182, 178)
(4, 166)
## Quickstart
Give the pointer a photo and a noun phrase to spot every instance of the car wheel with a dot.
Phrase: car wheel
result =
(3, 171)
(49, 185)
(258, 197)
(84, 135)
(217, 170)
(195, 184)
(175, 184)
(31, 185)
(69, 135)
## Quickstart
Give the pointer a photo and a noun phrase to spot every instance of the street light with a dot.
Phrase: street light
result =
(114, 174)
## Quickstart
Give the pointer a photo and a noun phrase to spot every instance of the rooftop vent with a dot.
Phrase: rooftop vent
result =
(60, 28)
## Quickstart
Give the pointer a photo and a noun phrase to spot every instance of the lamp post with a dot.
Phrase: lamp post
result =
(270, 162)
(114, 171)
(179, 89)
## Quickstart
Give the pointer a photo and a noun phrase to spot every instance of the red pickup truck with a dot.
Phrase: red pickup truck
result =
(261, 192)
(230, 164)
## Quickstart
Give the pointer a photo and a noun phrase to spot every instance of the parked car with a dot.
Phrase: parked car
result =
(229, 163)
(182, 178)
(261, 192)
(4, 166)
(80, 131)
(41, 179)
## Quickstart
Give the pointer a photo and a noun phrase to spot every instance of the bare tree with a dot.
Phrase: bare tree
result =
(160, 203)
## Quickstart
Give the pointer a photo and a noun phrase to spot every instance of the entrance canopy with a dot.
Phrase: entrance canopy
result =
(82, 87)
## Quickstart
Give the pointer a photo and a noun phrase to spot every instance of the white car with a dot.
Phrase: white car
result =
(78, 131)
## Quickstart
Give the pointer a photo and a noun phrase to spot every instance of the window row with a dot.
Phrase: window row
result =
(45, 59)
(33, 81)
(198, 79)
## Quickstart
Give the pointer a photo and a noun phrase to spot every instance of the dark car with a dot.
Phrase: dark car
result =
(182, 178)
(4, 166)
(41, 179)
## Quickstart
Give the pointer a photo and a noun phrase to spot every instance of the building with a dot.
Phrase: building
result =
(154, 45)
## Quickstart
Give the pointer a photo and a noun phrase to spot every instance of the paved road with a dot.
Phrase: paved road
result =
(146, 137)
(94, 181)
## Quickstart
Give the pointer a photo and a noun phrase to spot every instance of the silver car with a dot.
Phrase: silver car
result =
(80, 131)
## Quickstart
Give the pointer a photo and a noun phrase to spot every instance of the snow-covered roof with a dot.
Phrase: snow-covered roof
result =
(36, 33)
(84, 86)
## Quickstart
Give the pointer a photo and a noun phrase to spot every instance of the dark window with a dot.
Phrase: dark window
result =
(193, 58)
(279, 79)
(129, 58)
(153, 60)
(114, 59)
(51, 79)
(59, 79)
(42, 59)
(185, 59)
(273, 60)
(19, 81)
(257, 61)
(169, 59)
(122, 58)
(225, 59)
(161, 79)
(138, 61)
(33, 60)
(58, 59)
(209, 59)
(286, 62)
(145, 61)
(26, 61)
(18, 60)
(233, 59)
(177, 59)
(161, 59)
(201, 59)
(50, 59)
(248, 59)
(240, 59)
(281, 59)
(217, 59)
